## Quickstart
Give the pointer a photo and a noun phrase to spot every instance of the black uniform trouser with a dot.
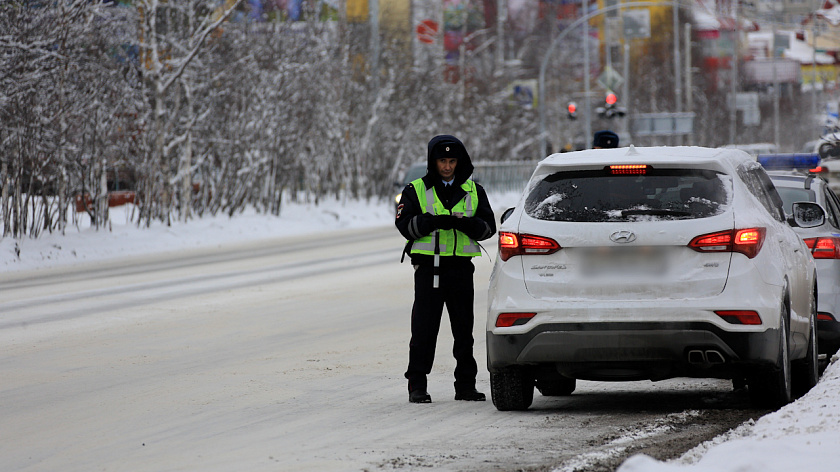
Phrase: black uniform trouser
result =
(457, 293)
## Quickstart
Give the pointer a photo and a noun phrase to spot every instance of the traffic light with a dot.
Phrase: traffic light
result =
(572, 108)
(610, 108)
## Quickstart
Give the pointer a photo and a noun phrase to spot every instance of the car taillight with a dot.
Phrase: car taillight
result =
(822, 316)
(824, 247)
(744, 317)
(506, 320)
(513, 244)
(746, 241)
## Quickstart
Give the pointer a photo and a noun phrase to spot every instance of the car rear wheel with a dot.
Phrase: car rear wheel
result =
(806, 372)
(771, 387)
(511, 388)
(556, 386)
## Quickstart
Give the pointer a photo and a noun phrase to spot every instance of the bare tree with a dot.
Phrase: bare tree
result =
(56, 82)
(172, 36)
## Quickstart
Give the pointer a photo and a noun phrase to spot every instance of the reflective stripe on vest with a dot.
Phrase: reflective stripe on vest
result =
(449, 238)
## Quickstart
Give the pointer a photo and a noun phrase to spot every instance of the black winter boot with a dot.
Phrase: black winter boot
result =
(419, 396)
(472, 395)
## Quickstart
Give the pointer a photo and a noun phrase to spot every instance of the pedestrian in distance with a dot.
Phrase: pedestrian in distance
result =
(604, 140)
(443, 215)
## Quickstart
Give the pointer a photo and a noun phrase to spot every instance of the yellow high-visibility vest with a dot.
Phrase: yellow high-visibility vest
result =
(451, 241)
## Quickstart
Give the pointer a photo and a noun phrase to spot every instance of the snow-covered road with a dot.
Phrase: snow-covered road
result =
(287, 354)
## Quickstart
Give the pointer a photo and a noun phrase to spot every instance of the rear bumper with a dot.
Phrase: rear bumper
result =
(633, 350)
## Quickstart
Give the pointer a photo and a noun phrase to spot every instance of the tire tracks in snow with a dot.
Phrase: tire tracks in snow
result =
(76, 304)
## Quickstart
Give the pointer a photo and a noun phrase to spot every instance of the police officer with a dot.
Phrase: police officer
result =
(605, 139)
(443, 215)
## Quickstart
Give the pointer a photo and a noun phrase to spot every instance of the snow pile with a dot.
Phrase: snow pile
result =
(804, 435)
(124, 239)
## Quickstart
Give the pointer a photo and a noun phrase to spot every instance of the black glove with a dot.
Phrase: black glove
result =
(443, 221)
(464, 224)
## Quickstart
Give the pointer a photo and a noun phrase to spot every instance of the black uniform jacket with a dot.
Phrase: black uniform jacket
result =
(413, 224)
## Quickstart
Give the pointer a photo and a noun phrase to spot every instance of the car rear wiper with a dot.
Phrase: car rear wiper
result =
(654, 212)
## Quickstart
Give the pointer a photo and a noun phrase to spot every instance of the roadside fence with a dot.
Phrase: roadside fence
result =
(504, 176)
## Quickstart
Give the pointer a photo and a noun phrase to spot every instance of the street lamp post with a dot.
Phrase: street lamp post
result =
(587, 105)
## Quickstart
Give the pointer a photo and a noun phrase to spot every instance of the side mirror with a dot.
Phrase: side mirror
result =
(506, 214)
(807, 215)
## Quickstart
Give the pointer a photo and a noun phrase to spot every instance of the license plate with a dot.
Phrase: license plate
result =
(624, 261)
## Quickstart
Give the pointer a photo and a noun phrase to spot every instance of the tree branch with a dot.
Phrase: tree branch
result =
(197, 47)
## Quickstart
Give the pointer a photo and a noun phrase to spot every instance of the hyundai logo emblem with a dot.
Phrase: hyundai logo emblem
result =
(623, 237)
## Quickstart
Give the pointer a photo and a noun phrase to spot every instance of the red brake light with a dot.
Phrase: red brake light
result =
(750, 237)
(821, 316)
(513, 244)
(744, 317)
(629, 169)
(508, 240)
(508, 245)
(506, 320)
(824, 248)
(745, 241)
(712, 242)
(537, 244)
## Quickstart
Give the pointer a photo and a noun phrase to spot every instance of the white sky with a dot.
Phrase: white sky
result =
(803, 436)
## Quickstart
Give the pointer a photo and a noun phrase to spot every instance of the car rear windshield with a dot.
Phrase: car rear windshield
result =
(601, 196)
(791, 195)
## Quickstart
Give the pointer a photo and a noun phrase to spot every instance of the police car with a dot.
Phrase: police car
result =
(651, 263)
(796, 179)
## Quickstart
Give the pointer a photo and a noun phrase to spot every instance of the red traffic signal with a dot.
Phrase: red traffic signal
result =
(572, 108)
(611, 99)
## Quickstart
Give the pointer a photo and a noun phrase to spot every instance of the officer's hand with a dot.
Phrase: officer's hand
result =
(444, 221)
(464, 224)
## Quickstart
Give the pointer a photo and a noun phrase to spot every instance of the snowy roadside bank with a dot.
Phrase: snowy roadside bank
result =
(123, 239)
(804, 435)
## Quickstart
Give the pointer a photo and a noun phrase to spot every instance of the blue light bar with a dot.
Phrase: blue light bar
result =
(789, 161)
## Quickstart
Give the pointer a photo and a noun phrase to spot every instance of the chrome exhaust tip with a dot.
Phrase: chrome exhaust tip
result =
(715, 357)
(696, 356)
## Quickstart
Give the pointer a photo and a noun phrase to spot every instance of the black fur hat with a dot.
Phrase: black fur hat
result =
(446, 145)
(605, 139)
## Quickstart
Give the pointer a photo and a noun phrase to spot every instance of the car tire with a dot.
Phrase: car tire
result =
(511, 388)
(556, 386)
(806, 371)
(771, 387)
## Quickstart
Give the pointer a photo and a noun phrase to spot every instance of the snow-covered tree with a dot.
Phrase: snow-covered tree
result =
(60, 91)
(172, 38)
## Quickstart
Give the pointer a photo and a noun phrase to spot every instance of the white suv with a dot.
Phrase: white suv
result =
(651, 263)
